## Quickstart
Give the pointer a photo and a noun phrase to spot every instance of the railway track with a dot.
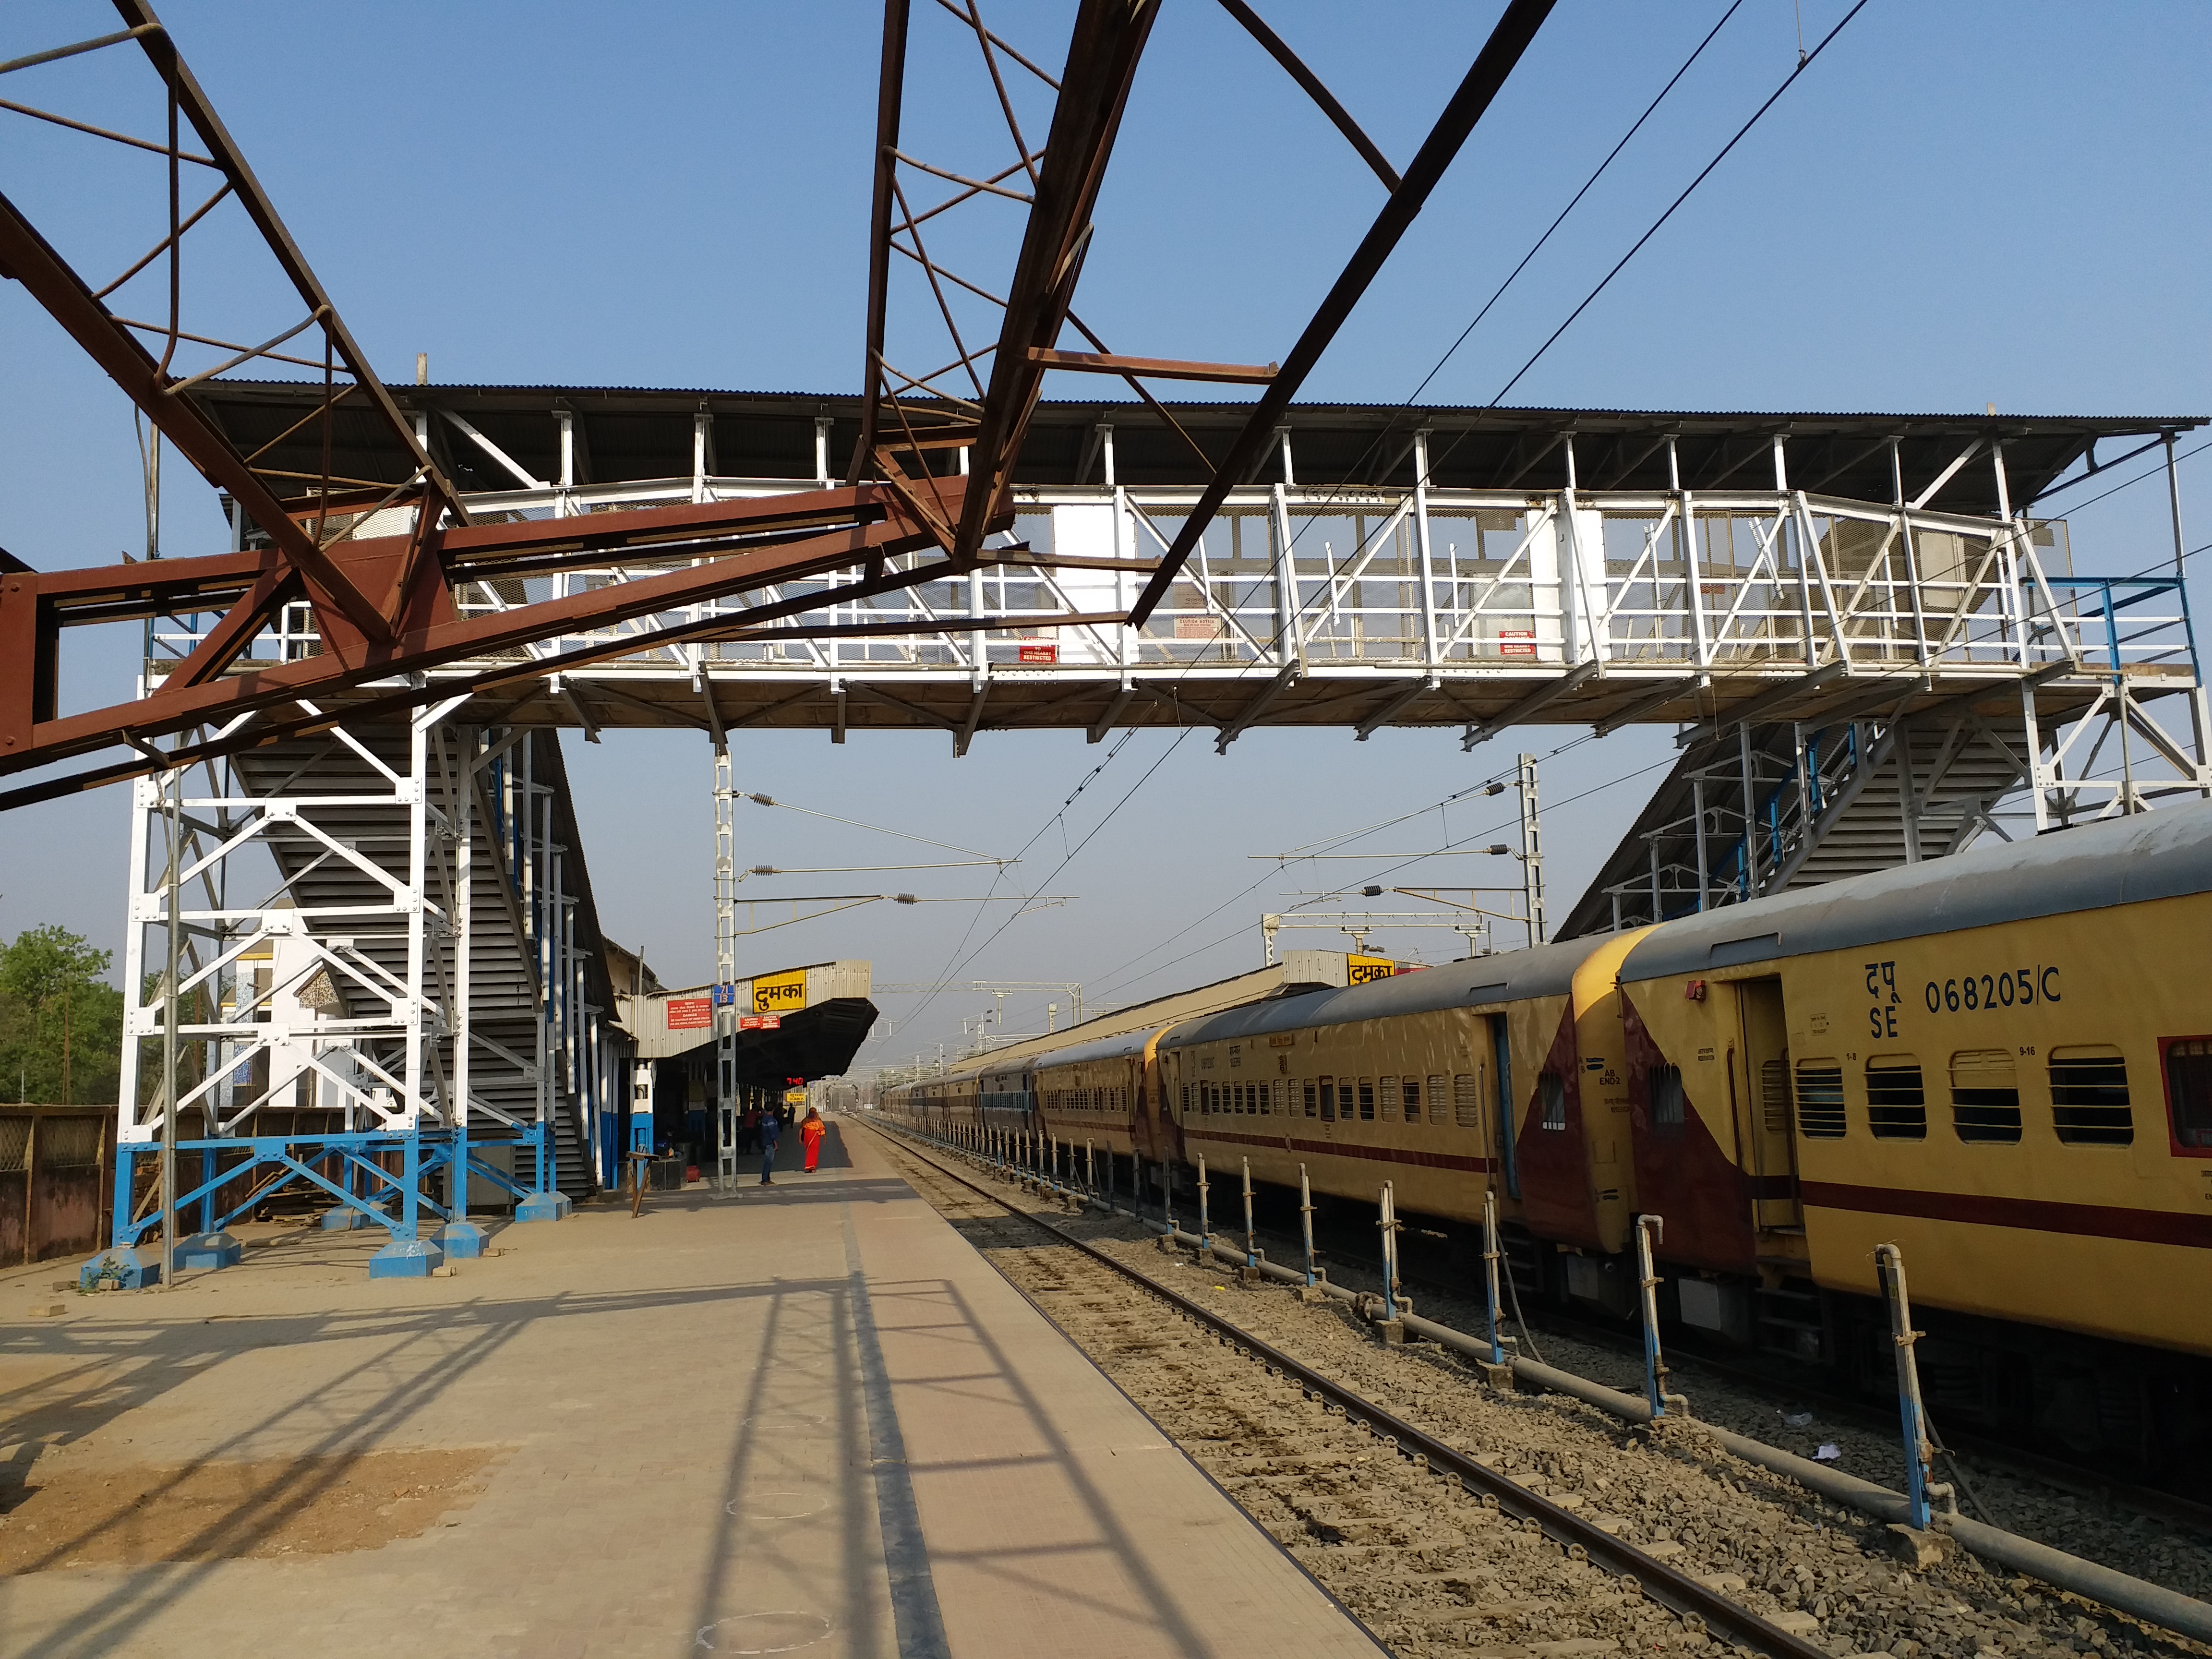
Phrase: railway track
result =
(2065, 1504)
(1333, 1472)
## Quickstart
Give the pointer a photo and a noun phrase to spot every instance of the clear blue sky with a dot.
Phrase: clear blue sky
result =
(1960, 204)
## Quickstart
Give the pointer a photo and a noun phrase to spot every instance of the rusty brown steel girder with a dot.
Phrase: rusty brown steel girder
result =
(908, 416)
(292, 512)
(1509, 39)
(784, 538)
(1102, 53)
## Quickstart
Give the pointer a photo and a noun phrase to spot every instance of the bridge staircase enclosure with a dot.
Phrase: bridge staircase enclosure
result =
(390, 969)
(1833, 799)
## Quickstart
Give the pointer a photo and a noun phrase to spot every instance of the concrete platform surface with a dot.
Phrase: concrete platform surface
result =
(809, 1418)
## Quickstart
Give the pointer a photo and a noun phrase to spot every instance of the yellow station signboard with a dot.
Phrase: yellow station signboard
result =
(780, 993)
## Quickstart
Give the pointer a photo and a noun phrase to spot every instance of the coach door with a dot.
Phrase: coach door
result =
(1765, 1124)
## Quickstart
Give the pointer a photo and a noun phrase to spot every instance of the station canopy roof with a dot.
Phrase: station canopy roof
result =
(625, 434)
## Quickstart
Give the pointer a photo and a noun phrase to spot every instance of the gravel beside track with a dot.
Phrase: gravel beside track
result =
(1432, 1571)
(2164, 1550)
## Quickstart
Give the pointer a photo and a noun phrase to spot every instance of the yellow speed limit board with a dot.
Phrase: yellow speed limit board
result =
(1364, 970)
(780, 993)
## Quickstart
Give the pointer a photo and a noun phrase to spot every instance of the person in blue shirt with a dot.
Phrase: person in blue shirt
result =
(769, 1124)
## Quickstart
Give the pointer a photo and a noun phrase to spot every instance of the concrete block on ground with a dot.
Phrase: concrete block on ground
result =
(544, 1206)
(462, 1241)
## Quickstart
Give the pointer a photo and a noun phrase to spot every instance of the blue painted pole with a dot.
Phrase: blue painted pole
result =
(1387, 1220)
(1649, 1230)
(1492, 1255)
(1889, 1266)
(410, 1178)
(1305, 1222)
(1251, 1235)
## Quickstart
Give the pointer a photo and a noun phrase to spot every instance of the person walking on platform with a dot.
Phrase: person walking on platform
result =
(810, 1137)
(768, 1126)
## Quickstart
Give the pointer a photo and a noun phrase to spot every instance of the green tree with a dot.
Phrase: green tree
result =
(61, 1027)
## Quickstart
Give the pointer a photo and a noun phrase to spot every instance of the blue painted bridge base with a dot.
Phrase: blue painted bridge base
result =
(125, 1269)
(407, 1258)
(206, 1251)
(350, 1169)
(544, 1206)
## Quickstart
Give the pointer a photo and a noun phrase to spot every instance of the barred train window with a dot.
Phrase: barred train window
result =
(1774, 1095)
(1820, 1100)
(1667, 1098)
(2089, 1097)
(1986, 1097)
(1312, 1097)
(1437, 1098)
(2189, 1091)
(1386, 1091)
(1467, 1099)
(1897, 1100)
(1410, 1089)
(1367, 1098)
(1327, 1100)
(1552, 1091)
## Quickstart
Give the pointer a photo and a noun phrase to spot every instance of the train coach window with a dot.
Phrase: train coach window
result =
(1820, 1100)
(1467, 1100)
(1897, 1100)
(2089, 1097)
(1327, 1100)
(1313, 1099)
(1552, 1090)
(1409, 1091)
(1436, 1099)
(1367, 1098)
(1386, 1094)
(2189, 1091)
(1986, 1097)
(1667, 1098)
(1186, 1100)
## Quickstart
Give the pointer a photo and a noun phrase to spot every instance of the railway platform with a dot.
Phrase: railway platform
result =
(808, 1417)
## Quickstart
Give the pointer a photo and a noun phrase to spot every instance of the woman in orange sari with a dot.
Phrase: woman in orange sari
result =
(809, 1136)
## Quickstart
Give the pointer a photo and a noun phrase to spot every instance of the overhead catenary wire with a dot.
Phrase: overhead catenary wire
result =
(876, 829)
(1804, 62)
(1536, 248)
(960, 962)
(1111, 979)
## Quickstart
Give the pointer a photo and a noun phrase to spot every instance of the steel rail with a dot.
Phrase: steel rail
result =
(2082, 1479)
(1675, 1591)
